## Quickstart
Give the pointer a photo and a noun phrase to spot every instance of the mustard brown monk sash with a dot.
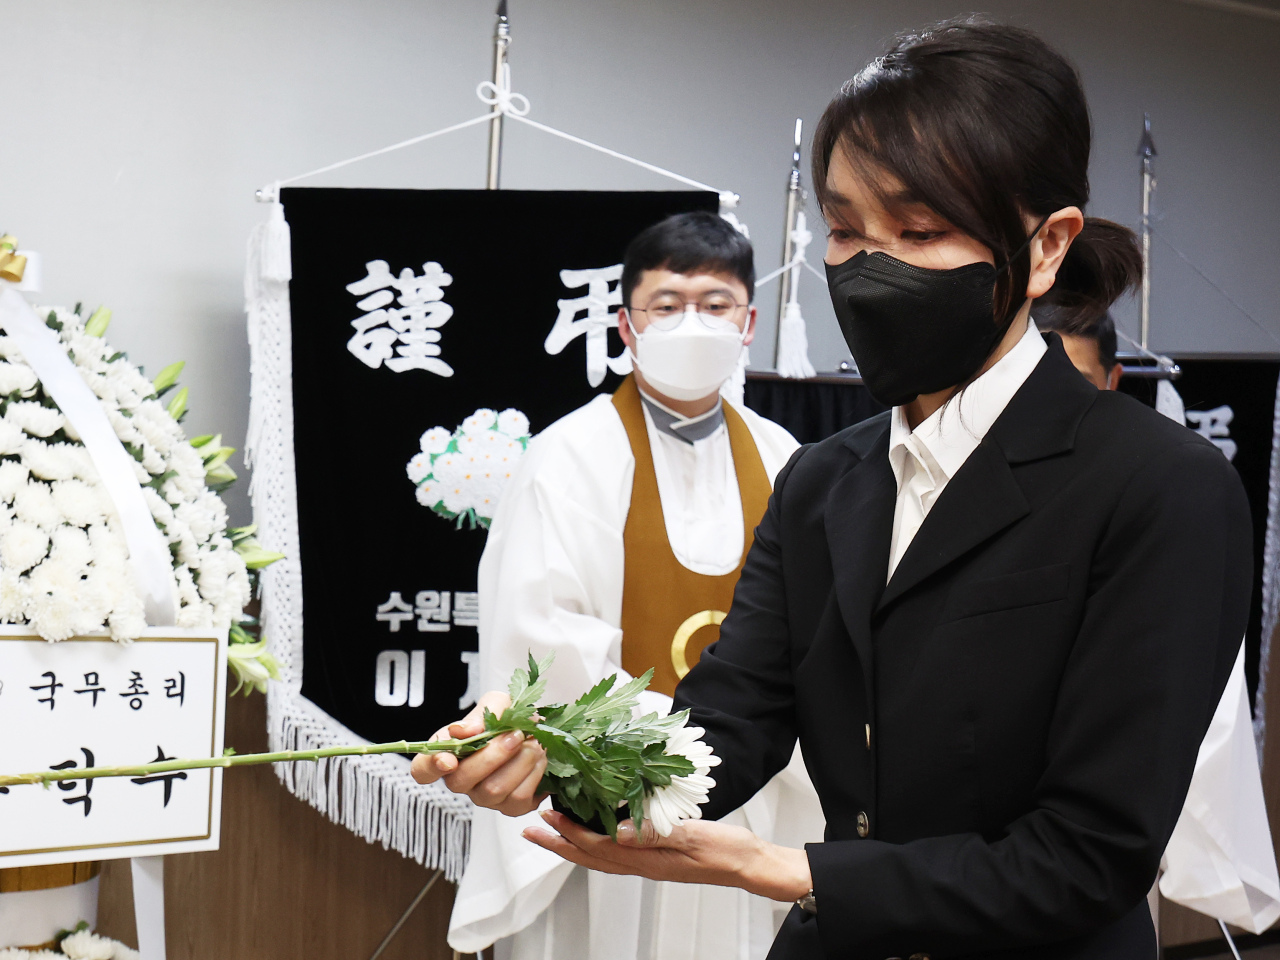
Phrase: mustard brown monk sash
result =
(669, 612)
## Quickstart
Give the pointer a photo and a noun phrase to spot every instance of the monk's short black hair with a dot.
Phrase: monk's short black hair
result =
(1091, 325)
(699, 242)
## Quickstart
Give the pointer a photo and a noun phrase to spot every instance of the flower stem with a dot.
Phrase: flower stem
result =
(463, 746)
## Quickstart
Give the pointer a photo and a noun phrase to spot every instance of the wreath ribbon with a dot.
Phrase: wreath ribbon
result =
(148, 554)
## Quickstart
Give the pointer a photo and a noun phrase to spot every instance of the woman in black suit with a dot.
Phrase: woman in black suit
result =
(997, 618)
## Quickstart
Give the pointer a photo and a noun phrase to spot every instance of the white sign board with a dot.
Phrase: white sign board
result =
(90, 701)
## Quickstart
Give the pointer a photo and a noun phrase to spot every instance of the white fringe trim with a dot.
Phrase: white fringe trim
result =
(1270, 594)
(373, 796)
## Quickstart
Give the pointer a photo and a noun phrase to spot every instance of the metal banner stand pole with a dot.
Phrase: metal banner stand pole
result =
(1147, 151)
(501, 40)
(795, 196)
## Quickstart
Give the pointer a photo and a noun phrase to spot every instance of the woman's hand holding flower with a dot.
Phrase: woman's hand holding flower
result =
(697, 851)
(504, 776)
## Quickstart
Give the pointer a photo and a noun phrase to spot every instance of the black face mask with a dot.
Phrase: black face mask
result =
(912, 330)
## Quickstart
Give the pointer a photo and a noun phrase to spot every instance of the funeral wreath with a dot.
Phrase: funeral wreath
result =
(63, 566)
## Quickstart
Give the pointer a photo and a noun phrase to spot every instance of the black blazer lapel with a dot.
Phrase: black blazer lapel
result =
(859, 523)
(984, 497)
(979, 501)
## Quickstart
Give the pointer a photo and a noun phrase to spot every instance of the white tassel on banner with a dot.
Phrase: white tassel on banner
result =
(268, 270)
(1169, 402)
(793, 339)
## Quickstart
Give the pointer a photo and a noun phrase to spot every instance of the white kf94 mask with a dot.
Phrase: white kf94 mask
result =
(691, 360)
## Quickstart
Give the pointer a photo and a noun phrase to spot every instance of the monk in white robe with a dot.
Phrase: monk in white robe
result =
(616, 546)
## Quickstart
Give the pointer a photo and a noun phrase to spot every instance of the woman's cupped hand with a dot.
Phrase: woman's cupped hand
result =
(698, 851)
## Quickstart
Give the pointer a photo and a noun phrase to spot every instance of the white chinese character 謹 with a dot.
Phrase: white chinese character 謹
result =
(600, 304)
(432, 608)
(404, 337)
(1215, 426)
(394, 612)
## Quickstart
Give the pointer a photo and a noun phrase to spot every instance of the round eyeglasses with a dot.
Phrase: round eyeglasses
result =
(715, 310)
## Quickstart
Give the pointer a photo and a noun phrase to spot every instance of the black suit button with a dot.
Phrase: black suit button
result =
(864, 825)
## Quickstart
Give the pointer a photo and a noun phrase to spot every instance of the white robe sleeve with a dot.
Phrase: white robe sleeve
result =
(1220, 861)
(550, 581)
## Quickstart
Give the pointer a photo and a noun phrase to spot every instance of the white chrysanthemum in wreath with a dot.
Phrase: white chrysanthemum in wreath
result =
(63, 558)
(461, 474)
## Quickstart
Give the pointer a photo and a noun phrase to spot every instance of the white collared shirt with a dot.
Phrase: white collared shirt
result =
(925, 459)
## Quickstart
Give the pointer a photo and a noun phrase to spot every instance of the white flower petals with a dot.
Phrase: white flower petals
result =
(63, 559)
(682, 799)
(469, 479)
(17, 378)
(37, 420)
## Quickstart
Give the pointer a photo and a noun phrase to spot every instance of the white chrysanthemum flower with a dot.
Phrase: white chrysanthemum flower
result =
(71, 546)
(49, 461)
(682, 799)
(419, 468)
(435, 440)
(11, 437)
(126, 953)
(127, 620)
(513, 423)
(159, 507)
(152, 462)
(13, 477)
(480, 421)
(429, 493)
(9, 349)
(140, 473)
(187, 462)
(456, 496)
(37, 420)
(14, 594)
(109, 547)
(485, 493)
(17, 378)
(77, 502)
(197, 518)
(450, 468)
(52, 616)
(88, 946)
(34, 503)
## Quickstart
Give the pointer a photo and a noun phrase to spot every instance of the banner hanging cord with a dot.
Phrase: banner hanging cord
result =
(1210, 281)
(795, 262)
(516, 106)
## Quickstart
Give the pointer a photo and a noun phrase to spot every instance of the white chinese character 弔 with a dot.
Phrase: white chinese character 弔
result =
(600, 304)
(403, 337)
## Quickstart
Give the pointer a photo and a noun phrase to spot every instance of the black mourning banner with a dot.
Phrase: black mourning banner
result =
(461, 314)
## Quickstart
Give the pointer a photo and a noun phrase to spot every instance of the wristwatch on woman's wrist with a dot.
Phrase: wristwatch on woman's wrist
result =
(808, 903)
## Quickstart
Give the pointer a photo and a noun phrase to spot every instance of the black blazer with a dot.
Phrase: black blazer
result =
(1002, 737)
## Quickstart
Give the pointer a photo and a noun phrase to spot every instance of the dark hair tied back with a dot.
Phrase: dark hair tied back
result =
(986, 124)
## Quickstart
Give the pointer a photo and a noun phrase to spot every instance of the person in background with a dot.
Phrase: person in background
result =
(1089, 337)
(617, 546)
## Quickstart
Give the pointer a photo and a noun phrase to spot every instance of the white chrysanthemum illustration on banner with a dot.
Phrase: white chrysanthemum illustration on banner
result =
(63, 554)
(461, 474)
